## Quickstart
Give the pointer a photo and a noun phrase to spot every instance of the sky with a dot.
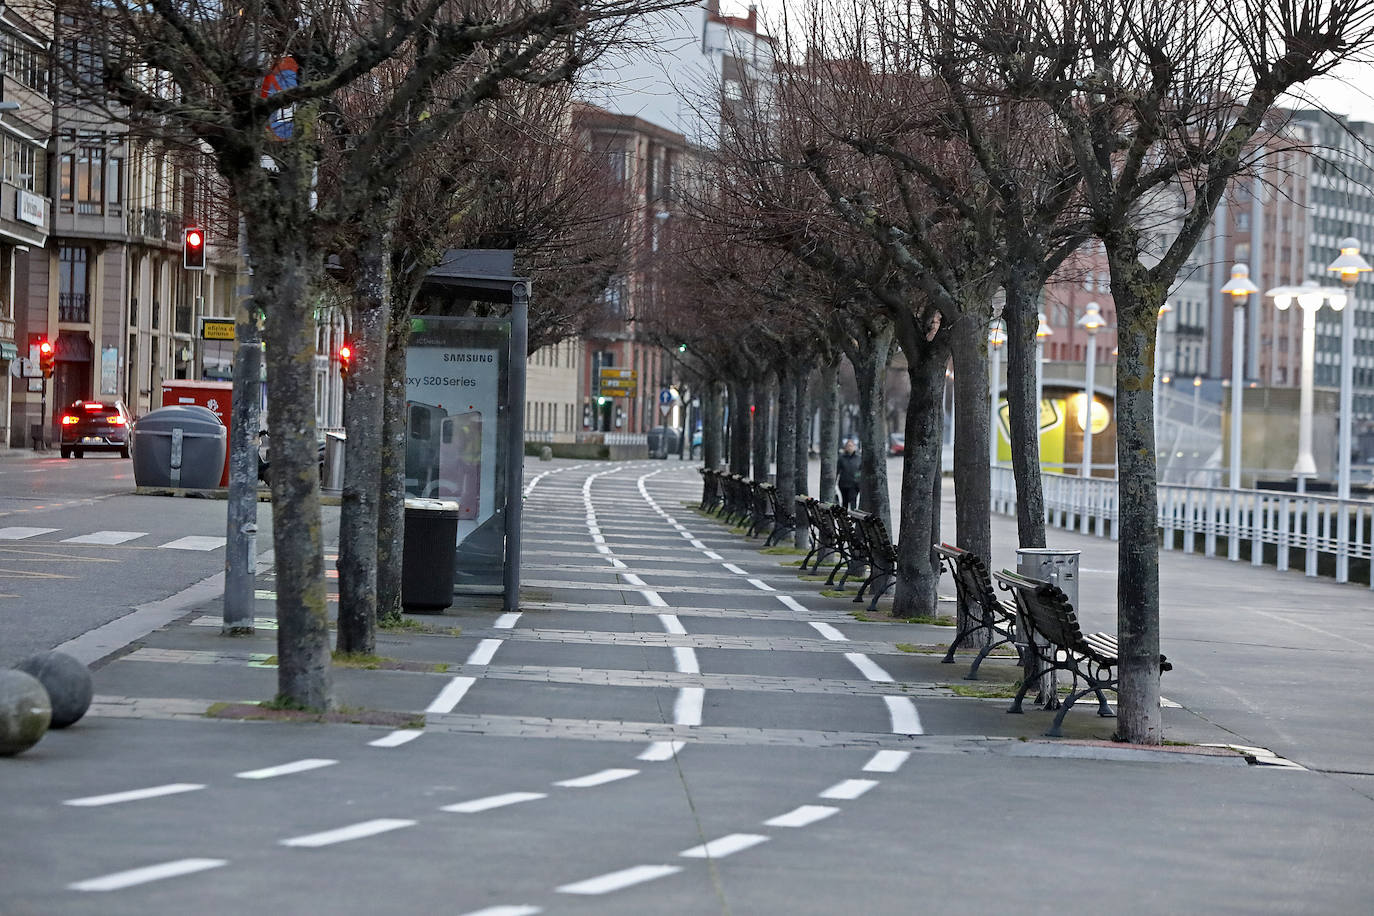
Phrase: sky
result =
(1348, 91)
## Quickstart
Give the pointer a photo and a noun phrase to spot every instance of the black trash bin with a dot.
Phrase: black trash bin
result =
(427, 553)
(663, 441)
(178, 446)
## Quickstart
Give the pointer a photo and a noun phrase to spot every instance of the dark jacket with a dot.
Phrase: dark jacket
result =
(847, 471)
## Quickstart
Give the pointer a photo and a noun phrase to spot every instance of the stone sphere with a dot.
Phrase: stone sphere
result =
(24, 712)
(67, 681)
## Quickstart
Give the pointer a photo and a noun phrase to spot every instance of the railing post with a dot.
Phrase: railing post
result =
(1343, 542)
(1285, 522)
(1209, 540)
(1313, 545)
(1233, 517)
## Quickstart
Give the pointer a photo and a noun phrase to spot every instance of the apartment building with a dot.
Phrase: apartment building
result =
(25, 204)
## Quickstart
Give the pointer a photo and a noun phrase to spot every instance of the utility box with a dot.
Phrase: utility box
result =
(217, 397)
(182, 446)
(1057, 566)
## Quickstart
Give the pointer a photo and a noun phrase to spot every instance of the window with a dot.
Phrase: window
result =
(18, 162)
(73, 303)
(25, 63)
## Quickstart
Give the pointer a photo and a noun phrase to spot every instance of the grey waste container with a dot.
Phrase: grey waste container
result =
(332, 474)
(427, 553)
(178, 446)
(663, 441)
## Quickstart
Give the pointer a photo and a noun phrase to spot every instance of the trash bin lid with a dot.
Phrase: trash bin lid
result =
(1046, 552)
(425, 504)
(191, 419)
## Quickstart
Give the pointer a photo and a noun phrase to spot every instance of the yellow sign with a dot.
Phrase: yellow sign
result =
(609, 374)
(217, 329)
(608, 390)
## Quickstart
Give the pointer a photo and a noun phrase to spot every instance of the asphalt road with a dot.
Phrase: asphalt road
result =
(674, 724)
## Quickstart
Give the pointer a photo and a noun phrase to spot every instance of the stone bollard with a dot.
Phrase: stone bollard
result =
(546, 453)
(67, 681)
(25, 712)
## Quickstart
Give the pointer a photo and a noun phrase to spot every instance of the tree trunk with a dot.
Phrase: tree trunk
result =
(973, 418)
(1137, 583)
(870, 372)
(711, 425)
(283, 271)
(391, 504)
(830, 428)
(740, 429)
(763, 402)
(1023, 414)
(787, 449)
(801, 538)
(916, 593)
(363, 413)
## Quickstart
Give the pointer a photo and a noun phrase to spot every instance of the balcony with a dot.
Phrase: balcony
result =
(74, 307)
(160, 225)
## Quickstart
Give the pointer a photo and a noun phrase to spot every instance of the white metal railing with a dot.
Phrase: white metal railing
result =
(1274, 524)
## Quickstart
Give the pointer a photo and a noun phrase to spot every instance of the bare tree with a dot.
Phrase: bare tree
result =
(1158, 102)
(255, 88)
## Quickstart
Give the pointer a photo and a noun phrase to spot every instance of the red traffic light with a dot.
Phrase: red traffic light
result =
(46, 356)
(193, 249)
(345, 359)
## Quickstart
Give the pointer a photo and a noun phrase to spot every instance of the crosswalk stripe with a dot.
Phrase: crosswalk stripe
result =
(124, 879)
(105, 538)
(194, 542)
(19, 533)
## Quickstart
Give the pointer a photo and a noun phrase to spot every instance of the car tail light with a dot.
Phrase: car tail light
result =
(70, 420)
(94, 407)
(116, 419)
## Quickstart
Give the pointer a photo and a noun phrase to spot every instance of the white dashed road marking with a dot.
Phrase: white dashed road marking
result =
(724, 846)
(828, 631)
(905, 719)
(761, 585)
(493, 801)
(506, 911)
(886, 761)
(115, 798)
(505, 622)
(351, 832)
(687, 709)
(397, 738)
(619, 880)
(450, 695)
(801, 817)
(123, 879)
(867, 667)
(484, 652)
(597, 779)
(661, 750)
(849, 789)
(286, 769)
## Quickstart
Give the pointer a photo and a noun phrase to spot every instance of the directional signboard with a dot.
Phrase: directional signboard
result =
(617, 383)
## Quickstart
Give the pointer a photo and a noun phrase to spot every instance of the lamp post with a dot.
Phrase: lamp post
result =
(1041, 332)
(996, 337)
(1309, 299)
(1239, 289)
(1348, 267)
(1164, 309)
(1090, 322)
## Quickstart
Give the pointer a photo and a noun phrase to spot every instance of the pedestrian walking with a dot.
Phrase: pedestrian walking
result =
(847, 473)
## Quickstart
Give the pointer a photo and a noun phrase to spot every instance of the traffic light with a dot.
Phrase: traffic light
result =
(345, 359)
(46, 354)
(193, 249)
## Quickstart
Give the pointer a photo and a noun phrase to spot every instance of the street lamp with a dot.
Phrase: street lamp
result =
(1044, 330)
(1309, 298)
(1348, 267)
(1239, 289)
(1164, 309)
(996, 337)
(1090, 322)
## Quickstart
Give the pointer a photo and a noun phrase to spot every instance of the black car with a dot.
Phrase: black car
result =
(95, 426)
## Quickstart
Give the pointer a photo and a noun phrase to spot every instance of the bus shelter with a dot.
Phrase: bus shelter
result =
(465, 411)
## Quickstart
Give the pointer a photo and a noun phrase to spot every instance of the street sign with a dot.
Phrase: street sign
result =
(617, 383)
(285, 75)
(216, 329)
(666, 398)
